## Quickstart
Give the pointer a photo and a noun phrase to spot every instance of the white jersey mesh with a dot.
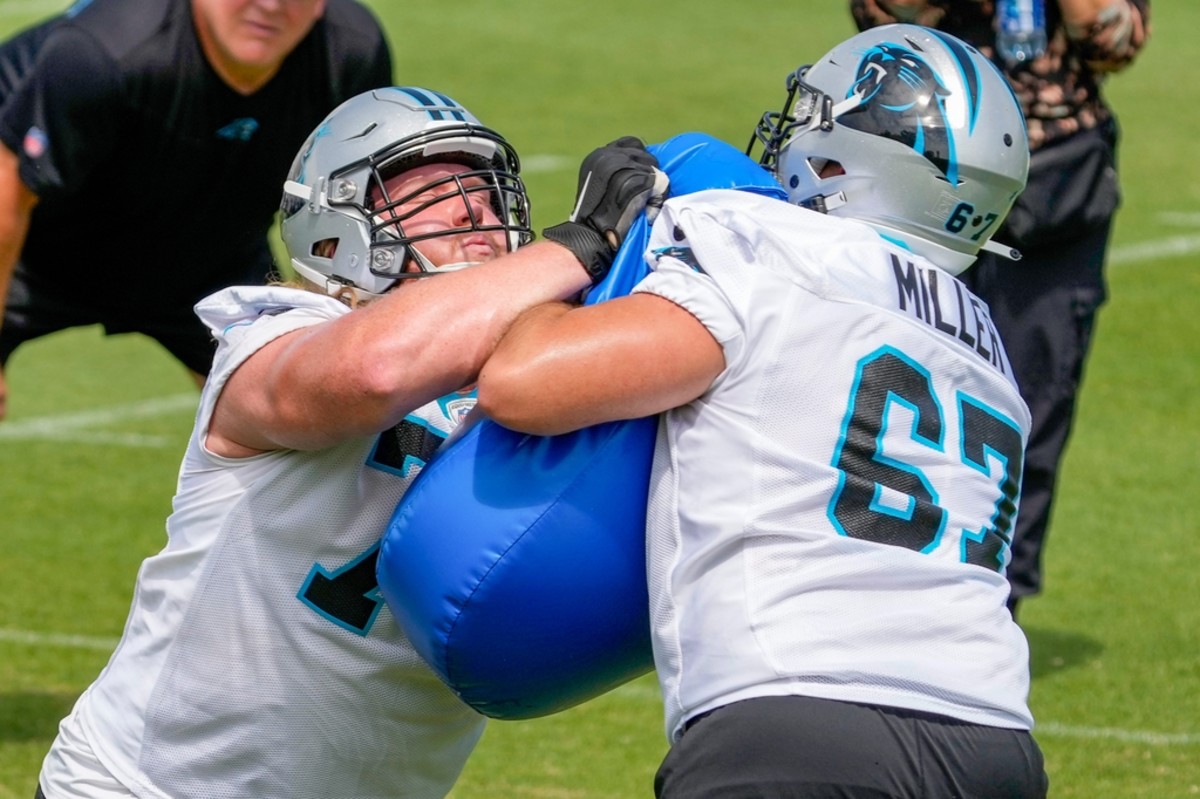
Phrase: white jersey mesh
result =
(233, 679)
(771, 570)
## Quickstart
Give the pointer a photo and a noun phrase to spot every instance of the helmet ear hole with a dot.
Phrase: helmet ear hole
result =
(831, 169)
(325, 248)
(825, 168)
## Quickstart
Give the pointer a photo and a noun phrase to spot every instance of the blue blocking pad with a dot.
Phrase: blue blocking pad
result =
(516, 564)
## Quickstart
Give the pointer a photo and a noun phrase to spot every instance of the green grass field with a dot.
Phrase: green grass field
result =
(89, 455)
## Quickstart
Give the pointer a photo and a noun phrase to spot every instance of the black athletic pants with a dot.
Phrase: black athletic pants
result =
(797, 747)
(1044, 307)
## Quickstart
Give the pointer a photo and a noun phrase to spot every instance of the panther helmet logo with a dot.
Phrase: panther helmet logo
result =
(903, 98)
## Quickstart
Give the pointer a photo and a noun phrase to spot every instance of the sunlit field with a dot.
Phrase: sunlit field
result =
(89, 455)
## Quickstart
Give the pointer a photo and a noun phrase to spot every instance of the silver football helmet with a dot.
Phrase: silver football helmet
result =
(909, 130)
(342, 229)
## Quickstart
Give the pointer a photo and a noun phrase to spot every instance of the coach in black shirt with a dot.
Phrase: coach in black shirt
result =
(144, 147)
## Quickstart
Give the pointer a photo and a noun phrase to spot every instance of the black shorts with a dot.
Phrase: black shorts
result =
(32, 314)
(795, 746)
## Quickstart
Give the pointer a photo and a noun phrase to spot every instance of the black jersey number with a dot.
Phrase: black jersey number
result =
(349, 595)
(887, 378)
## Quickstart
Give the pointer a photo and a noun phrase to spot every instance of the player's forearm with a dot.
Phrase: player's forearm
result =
(522, 372)
(363, 372)
(560, 369)
(431, 336)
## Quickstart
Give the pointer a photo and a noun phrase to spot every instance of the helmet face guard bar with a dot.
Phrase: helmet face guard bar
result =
(803, 102)
(497, 175)
(805, 108)
(505, 195)
(343, 224)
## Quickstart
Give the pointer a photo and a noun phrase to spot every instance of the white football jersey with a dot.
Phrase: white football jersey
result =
(259, 659)
(832, 517)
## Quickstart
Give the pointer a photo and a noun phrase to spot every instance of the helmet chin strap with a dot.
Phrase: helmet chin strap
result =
(1003, 250)
(824, 203)
(428, 268)
(348, 293)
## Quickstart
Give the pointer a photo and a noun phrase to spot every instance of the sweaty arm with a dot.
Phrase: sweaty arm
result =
(560, 368)
(364, 371)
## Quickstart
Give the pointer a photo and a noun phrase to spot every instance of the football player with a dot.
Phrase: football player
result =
(837, 467)
(258, 658)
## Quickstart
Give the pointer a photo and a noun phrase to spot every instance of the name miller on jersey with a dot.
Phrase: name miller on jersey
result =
(962, 317)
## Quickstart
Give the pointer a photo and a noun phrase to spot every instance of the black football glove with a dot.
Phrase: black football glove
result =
(616, 183)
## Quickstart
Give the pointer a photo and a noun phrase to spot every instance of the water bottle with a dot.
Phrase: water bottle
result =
(1020, 30)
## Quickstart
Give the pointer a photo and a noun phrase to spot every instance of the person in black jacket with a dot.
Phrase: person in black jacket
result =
(142, 146)
(1045, 305)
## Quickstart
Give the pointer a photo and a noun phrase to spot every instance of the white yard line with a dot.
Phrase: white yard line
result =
(97, 643)
(547, 163)
(1154, 250)
(1051, 729)
(87, 426)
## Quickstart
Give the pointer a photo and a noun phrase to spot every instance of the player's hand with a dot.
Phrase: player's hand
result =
(616, 183)
(3, 396)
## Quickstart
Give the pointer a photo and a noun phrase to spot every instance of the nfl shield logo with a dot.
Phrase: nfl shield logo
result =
(457, 409)
(35, 142)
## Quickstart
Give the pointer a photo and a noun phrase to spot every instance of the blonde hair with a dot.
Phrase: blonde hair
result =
(346, 295)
